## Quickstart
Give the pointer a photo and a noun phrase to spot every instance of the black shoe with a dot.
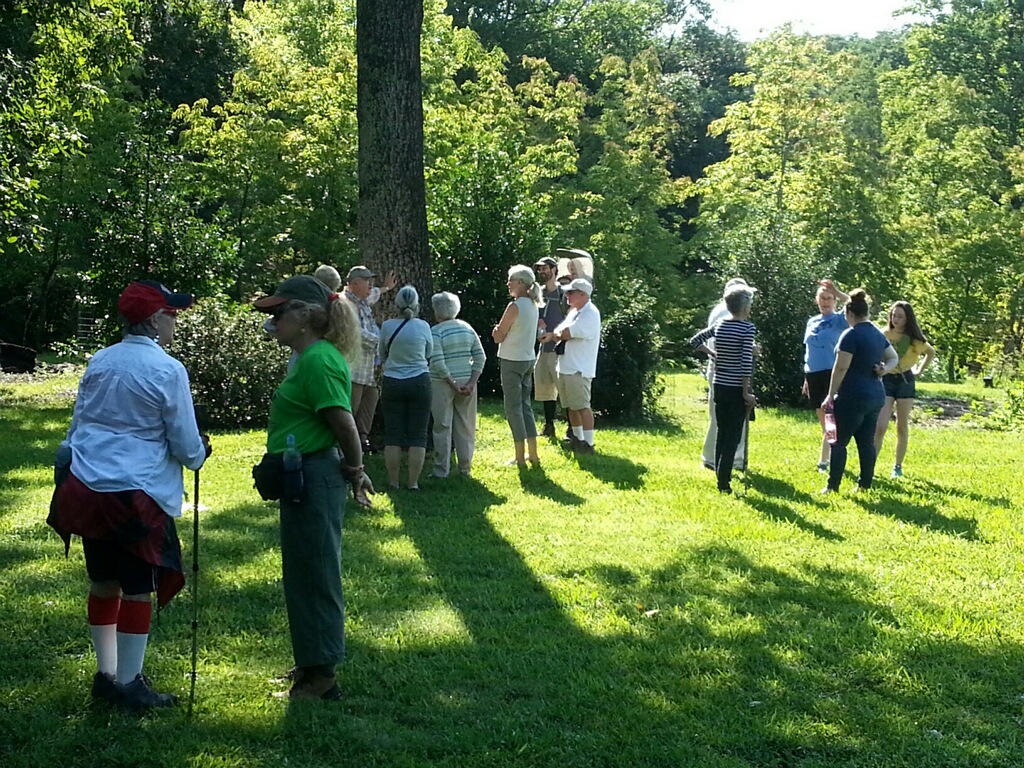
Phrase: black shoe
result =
(549, 429)
(369, 449)
(104, 689)
(583, 447)
(138, 695)
(569, 443)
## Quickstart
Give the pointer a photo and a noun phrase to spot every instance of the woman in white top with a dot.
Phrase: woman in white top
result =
(516, 336)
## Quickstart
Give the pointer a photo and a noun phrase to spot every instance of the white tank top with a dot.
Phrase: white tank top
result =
(519, 343)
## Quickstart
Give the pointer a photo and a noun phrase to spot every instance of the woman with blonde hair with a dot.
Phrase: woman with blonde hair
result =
(516, 336)
(312, 412)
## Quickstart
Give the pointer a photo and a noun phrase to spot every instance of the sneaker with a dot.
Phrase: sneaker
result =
(823, 466)
(583, 447)
(138, 695)
(569, 443)
(549, 429)
(104, 689)
(897, 471)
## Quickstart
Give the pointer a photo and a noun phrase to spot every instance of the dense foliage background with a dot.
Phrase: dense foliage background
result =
(213, 145)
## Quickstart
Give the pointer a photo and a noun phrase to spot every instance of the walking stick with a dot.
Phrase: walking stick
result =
(195, 592)
(746, 450)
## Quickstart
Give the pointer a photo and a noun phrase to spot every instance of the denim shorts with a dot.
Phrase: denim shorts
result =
(899, 385)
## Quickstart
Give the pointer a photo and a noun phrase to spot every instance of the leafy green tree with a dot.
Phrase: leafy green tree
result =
(574, 36)
(277, 161)
(956, 222)
(767, 210)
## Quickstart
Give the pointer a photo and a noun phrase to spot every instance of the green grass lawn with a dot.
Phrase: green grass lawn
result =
(614, 611)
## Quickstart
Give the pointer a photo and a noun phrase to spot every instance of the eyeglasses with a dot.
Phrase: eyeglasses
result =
(279, 310)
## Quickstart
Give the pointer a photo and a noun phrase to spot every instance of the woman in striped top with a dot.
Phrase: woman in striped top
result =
(455, 366)
(731, 386)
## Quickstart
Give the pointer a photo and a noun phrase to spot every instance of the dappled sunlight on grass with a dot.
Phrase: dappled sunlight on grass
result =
(612, 609)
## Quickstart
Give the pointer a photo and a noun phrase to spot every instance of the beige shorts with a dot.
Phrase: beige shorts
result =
(545, 378)
(574, 389)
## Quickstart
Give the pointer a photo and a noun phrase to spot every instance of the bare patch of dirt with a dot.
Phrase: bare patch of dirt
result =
(948, 411)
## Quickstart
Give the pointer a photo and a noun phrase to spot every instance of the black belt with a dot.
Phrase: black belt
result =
(331, 452)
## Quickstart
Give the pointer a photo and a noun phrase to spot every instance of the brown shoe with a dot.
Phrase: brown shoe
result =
(311, 685)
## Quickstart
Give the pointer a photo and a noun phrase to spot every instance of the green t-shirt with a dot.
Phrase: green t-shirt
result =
(319, 379)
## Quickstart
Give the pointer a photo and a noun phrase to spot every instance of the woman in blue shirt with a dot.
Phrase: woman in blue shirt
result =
(855, 390)
(820, 339)
(405, 347)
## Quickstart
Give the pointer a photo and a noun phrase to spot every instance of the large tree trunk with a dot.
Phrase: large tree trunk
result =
(392, 193)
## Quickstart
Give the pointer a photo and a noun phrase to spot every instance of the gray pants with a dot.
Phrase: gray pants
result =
(516, 388)
(311, 563)
(454, 424)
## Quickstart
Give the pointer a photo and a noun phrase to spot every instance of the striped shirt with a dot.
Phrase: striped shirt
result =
(457, 351)
(734, 345)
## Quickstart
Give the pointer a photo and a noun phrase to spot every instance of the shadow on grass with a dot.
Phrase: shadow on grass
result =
(770, 501)
(922, 515)
(937, 489)
(624, 474)
(536, 482)
(463, 655)
(31, 435)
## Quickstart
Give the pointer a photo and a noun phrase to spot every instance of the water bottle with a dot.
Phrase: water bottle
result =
(830, 422)
(292, 472)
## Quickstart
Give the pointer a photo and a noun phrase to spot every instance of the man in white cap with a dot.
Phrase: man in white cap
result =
(359, 289)
(577, 366)
(720, 312)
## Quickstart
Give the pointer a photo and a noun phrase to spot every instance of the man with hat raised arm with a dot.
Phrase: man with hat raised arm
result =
(577, 366)
(545, 373)
(133, 429)
(360, 290)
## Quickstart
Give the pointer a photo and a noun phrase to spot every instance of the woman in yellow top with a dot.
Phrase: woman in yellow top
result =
(915, 355)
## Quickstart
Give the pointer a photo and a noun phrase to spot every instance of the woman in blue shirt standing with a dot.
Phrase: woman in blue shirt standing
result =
(820, 339)
(855, 390)
(405, 347)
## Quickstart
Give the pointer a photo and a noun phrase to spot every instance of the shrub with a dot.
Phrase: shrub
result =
(233, 367)
(627, 384)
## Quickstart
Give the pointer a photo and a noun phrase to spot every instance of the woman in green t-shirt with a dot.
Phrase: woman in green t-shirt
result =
(915, 355)
(312, 411)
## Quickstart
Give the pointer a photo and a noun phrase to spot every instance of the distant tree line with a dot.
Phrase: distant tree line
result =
(213, 145)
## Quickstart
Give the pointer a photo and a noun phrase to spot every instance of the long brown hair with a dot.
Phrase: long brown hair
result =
(912, 329)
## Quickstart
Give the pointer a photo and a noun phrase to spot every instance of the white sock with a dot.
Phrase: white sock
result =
(131, 650)
(578, 432)
(104, 640)
(588, 436)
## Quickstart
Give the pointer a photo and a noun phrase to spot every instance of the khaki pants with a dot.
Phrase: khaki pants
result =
(364, 406)
(454, 424)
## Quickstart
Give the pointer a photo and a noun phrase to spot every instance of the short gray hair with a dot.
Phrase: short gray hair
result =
(407, 301)
(738, 298)
(329, 276)
(446, 305)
